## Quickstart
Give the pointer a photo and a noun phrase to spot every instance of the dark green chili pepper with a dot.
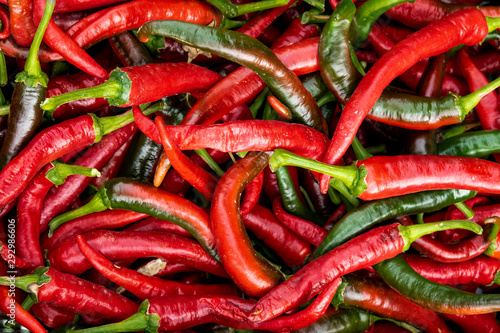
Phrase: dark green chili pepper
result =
(31, 85)
(431, 295)
(141, 158)
(471, 144)
(249, 52)
(342, 321)
(372, 213)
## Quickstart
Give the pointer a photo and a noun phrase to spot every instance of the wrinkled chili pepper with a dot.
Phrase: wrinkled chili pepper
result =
(21, 22)
(467, 26)
(126, 193)
(251, 273)
(143, 286)
(248, 52)
(385, 242)
(68, 258)
(29, 207)
(135, 85)
(401, 277)
(25, 114)
(482, 270)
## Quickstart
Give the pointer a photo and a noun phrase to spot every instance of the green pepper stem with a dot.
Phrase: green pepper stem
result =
(310, 18)
(334, 196)
(493, 23)
(4, 79)
(21, 282)
(258, 102)
(468, 212)
(109, 89)
(326, 98)
(413, 232)
(32, 65)
(459, 129)
(350, 200)
(28, 303)
(98, 203)
(347, 174)
(61, 171)
(4, 110)
(359, 150)
(231, 10)
(466, 103)
(210, 161)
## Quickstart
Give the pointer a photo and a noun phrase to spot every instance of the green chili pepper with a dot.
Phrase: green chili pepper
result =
(471, 144)
(372, 213)
(249, 52)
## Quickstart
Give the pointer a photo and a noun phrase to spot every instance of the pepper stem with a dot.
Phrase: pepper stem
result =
(98, 203)
(4, 78)
(109, 89)
(468, 212)
(33, 74)
(360, 151)
(61, 171)
(231, 10)
(493, 23)
(415, 231)
(4, 110)
(141, 321)
(349, 175)
(210, 161)
(468, 102)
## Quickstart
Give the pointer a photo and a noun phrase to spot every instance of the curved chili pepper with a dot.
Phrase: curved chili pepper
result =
(65, 83)
(295, 32)
(29, 207)
(15, 311)
(9, 257)
(119, 245)
(343, 320)
(155, 224)
(108, 219)
(471, 144)
(141, 159)
(251, 273)
(4, 18)
(25, 114)
(252, 194)
(482, 270)
(144, 286)
(385, 242)
(21, 22)
(401, 277)
(52, 315)
(66, 290)
(378, 298)
(140, 197)
(305, 229)
(456, 252)
(137, 85)
(467, 26)
(248, 52)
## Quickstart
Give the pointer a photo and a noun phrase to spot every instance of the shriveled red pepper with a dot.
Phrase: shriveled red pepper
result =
(116, 245)
(467, 27)
(143, 286)
(247, 269)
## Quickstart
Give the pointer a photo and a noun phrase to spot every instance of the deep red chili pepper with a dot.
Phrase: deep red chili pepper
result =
(385, 242)
(308, 231)
(119, 245)
(338, 214)
(488, 62)
(396, 32)
(52, 315)
(481, 270)
(455, 252)
(321, 202)
(242, 85)
(475, 323)
(294, 33)
(14, 310)
(467, 27)
(21, 21)
(250, 272)
(108, 219)
(152, 223)
(10, 257)
(287, 245)
(65, 83)
(136, 85)
(66, 290)
(199, 178)
(252, 194)
(4, 18)
(61, 198)
(143, 286)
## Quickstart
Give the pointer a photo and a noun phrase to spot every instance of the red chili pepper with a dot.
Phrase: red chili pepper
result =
(143, 286)
(467, 27)
(21, 22)
(108, 219)
(250, 272)
(152, 223)
(321, 202)
(287, 245)
(53, 316)
(4, 18)
(475, 323)
(488, 62)
(480, 270)
(199, 178)
(306, 230)
(252, 194)
(116, 245)
(294, 33)
(10, 257)
(61, 198)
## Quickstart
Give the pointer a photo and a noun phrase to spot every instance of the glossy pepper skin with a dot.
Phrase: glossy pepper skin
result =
(250, 53)
(400, 276)
(251, 273)
(467, 26)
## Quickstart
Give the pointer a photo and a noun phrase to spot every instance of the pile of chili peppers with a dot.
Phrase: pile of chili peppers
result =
(237, 166)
